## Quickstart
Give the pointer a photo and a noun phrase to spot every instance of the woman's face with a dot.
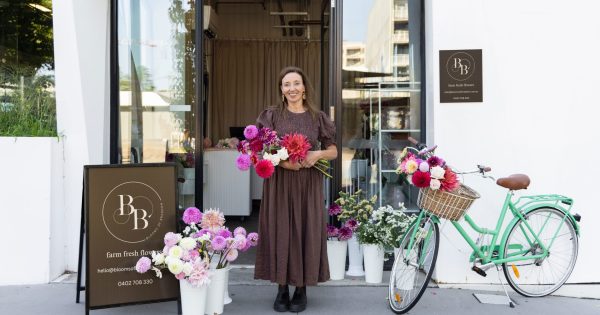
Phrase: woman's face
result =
(292, 87)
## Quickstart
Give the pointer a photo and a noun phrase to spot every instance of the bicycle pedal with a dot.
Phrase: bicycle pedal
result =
(479, 271)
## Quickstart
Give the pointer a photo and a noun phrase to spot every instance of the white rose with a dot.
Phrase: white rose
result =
(187, 243)
(283, 154)
(187, 268)
(176, 252)
(435, 184)
(437, 172)
(175, 266)
(158, 258)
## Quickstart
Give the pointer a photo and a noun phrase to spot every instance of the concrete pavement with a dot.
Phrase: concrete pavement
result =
(250, 297)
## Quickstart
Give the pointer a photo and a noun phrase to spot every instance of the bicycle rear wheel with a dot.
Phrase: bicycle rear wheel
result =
(412, 269)
(542, 276)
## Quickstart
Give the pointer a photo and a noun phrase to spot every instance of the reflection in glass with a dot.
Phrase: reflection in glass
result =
(381, 95)
(27, 102)
(157, 99)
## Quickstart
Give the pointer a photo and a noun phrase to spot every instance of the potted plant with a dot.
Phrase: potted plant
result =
(337, 244)
(382, 231)
(355, 209)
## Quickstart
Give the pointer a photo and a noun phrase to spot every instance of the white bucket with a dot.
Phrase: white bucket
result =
(373, 263)
(336, 255)
(193, 300)
(355, 258)
(216, 292)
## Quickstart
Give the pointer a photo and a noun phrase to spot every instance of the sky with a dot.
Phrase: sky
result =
(356, 14)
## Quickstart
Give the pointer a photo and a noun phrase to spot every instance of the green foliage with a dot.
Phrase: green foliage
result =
(385, 227)
(29, 107)
(355, 206)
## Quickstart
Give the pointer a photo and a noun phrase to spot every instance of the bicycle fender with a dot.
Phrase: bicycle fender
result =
(514, 221)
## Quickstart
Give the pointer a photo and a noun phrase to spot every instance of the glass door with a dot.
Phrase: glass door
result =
(157, 93)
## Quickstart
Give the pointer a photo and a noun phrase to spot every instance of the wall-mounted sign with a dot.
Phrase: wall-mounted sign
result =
(460, 76)
(129, 208)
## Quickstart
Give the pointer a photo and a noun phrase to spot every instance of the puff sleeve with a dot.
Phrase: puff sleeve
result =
(265, 119)
(326, 131)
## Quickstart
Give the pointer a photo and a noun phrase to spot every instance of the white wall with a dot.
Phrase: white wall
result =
(538, 116)
(30, 210)
(81, 37)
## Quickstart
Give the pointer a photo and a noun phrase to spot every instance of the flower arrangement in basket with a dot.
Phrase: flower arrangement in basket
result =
(441, 193)
(264, 150)
(205, 239)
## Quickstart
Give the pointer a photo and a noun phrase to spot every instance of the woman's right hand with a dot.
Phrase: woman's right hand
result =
(290, 166)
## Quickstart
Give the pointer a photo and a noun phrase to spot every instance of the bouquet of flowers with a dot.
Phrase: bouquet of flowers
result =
(264, 150)
(385, 227)
(427, 172)
(343, 233)
(223, 246)
(355, 207)
(188, 256)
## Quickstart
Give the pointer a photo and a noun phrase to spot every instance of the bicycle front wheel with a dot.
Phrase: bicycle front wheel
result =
(413, 267)
(538, 277)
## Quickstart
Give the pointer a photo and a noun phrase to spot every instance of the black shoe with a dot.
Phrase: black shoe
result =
(282, 301)
(298, 303)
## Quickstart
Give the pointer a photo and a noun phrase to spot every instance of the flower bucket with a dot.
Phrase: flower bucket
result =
(216, 291)
(355, 258)
(193, 299)
(336, 255)
(373, 263)
(226, 297)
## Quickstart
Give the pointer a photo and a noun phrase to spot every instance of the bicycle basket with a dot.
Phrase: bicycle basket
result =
(448, 205)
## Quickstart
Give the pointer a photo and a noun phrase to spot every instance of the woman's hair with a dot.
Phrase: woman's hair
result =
(308, 90)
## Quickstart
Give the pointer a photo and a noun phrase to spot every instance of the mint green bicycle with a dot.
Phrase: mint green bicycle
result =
(537, 250)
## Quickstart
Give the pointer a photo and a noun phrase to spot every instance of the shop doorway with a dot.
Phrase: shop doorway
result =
(245, 47)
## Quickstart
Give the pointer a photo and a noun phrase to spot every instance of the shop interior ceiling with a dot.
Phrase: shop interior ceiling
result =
(293, 19)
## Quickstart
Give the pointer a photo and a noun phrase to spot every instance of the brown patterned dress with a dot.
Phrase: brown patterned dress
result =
(293, 240)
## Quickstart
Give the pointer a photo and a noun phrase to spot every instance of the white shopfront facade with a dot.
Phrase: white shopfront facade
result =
(538, 117)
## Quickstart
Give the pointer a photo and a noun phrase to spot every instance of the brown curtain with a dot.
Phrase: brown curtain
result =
(244, 79)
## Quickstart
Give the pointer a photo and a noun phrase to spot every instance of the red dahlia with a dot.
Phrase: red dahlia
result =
(297, 146)
(421, 179)
(264, 168)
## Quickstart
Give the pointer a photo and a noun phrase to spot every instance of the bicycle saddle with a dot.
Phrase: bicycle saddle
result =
(514, 181)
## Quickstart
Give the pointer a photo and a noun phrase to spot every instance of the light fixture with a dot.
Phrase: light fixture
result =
(39, 7)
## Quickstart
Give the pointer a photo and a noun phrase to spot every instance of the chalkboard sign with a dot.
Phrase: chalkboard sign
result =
(128, 210)
(461, 76)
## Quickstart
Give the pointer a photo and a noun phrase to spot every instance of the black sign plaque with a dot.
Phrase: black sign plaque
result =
(461, 76)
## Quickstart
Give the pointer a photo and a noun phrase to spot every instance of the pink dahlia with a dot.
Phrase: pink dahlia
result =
(213, 220)
(143, 265)
(243, 162)
(332, 231)
(218, 243)
(239, 230)
(264, 168)
(352, 224)
(345, 233)
(334, 209)
(252, 238)
(192, 215)
(435, 161)
(250, 132)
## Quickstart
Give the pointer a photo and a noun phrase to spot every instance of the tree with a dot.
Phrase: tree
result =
(26, 39)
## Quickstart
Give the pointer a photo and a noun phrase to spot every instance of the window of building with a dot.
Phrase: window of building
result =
(382, 104)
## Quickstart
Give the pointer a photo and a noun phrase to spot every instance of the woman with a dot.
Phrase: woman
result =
(292, 249)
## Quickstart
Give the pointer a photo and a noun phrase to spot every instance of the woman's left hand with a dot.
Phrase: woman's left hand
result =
(311, 158)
